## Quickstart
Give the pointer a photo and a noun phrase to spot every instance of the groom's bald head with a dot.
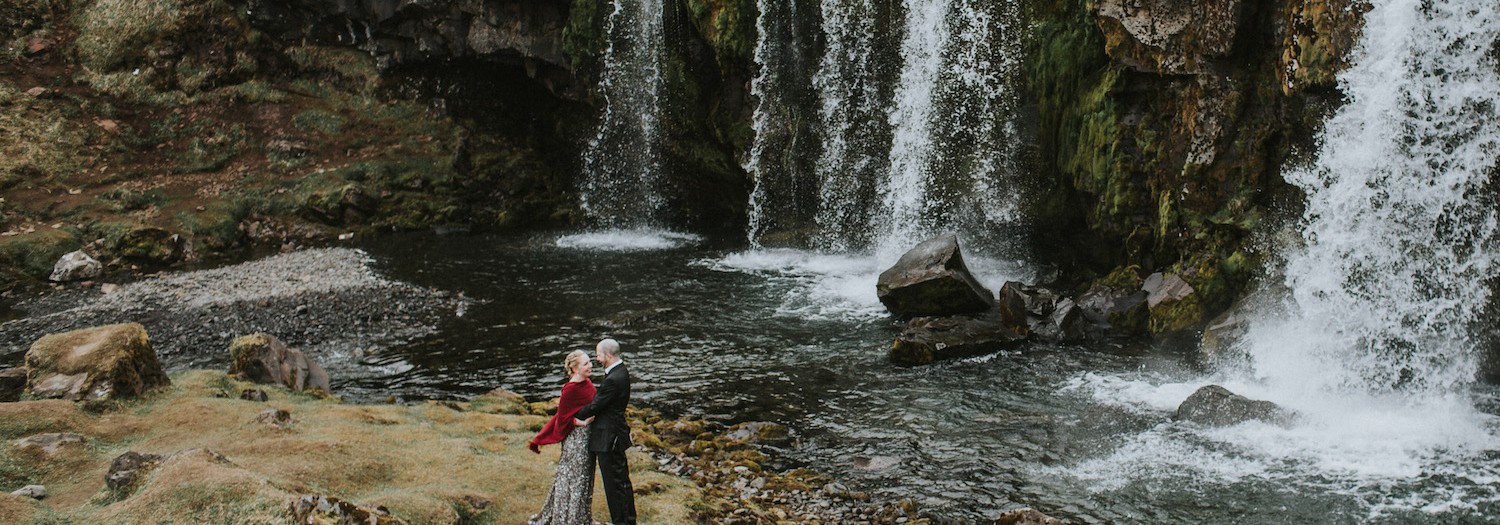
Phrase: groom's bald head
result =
(607, 352)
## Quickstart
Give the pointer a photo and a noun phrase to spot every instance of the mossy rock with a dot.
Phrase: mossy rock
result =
(101, 363)
(35, 253)
(151, 246)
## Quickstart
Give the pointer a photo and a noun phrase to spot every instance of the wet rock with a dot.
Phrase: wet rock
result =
(1160, 288)
(1215, 405)
(275, 418)
(1122, 313)
(932, 280)
(106, 362)
(1218, 344)
(31, 491)
(1315, 46)
(927, 339)
(262, 358)
(50, 443)
(12, 384)
(760, 432)
(324, 509)
(253, 394)
(874, 463)
(1026, 517)
(129, 468)
(75, 266)
(1168, 36)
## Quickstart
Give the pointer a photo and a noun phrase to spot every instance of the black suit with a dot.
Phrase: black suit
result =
(608, 440)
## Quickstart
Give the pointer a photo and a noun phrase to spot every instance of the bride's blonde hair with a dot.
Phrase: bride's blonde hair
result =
(574, 360)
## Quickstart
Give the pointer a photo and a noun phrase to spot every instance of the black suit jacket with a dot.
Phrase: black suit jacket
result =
(610, 432)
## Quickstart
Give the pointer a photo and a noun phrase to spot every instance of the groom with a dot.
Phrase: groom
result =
(611, 435)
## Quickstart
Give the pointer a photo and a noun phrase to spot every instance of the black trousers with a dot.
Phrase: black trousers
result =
(614, 471)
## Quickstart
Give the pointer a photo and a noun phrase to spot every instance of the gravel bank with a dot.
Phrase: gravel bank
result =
(328, 302)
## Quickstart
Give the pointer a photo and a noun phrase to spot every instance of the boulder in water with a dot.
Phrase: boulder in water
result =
(264, 359)
(1215, 405)
(105, 362)
(76, 266)
(932, 280)
(927, 339)
(1120, 312)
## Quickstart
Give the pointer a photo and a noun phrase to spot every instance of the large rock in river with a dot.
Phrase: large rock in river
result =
(104, 362)
(1215, 405)
(264, 359)
(931, 280)
(927, 339)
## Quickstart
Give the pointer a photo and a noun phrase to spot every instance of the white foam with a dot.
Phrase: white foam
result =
(642, 239)
(816, 285)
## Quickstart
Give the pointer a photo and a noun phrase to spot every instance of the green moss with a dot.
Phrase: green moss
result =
(729, 28)
(216, 227)
(36, 253)
(325, 122)
(1124, 278)
(584, 38)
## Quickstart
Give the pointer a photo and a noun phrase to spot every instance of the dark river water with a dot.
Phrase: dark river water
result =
(1081, 432)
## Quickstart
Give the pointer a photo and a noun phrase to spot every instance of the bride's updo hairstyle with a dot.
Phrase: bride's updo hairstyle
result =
(574, 360)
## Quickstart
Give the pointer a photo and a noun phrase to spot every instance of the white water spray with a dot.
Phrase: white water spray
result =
(622, 165)
(947, 150)
(1401, 225)
(1373, 346)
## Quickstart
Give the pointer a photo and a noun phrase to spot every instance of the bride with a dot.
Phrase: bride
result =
(570, 500)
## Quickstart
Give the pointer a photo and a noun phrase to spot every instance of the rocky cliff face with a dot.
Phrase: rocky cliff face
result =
(469, 47)
(1166, 123)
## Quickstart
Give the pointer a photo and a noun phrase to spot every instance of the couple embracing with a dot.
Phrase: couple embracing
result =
(590, 424)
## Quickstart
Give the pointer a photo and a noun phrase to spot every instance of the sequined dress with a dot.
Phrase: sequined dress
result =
(571, 499)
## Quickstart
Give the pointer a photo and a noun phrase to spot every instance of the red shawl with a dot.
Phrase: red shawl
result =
(575, 396)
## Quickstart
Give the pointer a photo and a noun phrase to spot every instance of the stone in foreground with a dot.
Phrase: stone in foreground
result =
(264, 359)
(49, 444)
(932, 280)
(1026, 517)
(105, 362)
(324, 509)
(31, 491)
(928, 339)
(75, 266)
(1214, 405)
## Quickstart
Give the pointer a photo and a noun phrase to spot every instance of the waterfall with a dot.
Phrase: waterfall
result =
(851, 111)
(622, 165)
(900, 153)
(780, 157)
(1400, 224)
(949, 144)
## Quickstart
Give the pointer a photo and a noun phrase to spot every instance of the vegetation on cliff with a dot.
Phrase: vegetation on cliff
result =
(1170, 151)
(178, 116)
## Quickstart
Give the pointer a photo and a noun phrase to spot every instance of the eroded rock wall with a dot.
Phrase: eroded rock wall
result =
(1166, 123)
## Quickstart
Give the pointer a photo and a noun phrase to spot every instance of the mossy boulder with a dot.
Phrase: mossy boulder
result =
(264, 359)
(152, 246)
(100, 363)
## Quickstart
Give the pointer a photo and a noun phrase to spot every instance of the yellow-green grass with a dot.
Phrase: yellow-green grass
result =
(419, 461)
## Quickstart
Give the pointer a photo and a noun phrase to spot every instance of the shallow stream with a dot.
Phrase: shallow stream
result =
(1081, 432)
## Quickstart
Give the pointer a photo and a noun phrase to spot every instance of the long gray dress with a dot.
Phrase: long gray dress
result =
(570, 502)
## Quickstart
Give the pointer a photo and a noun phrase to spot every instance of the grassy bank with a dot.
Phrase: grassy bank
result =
(433, 463)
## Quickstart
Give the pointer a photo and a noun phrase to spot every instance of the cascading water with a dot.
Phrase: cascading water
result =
(1374, 342)
(900, 157)
(1400, 226)
(780, 157)
(622, 162)
(948, 152)
(855, 133)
